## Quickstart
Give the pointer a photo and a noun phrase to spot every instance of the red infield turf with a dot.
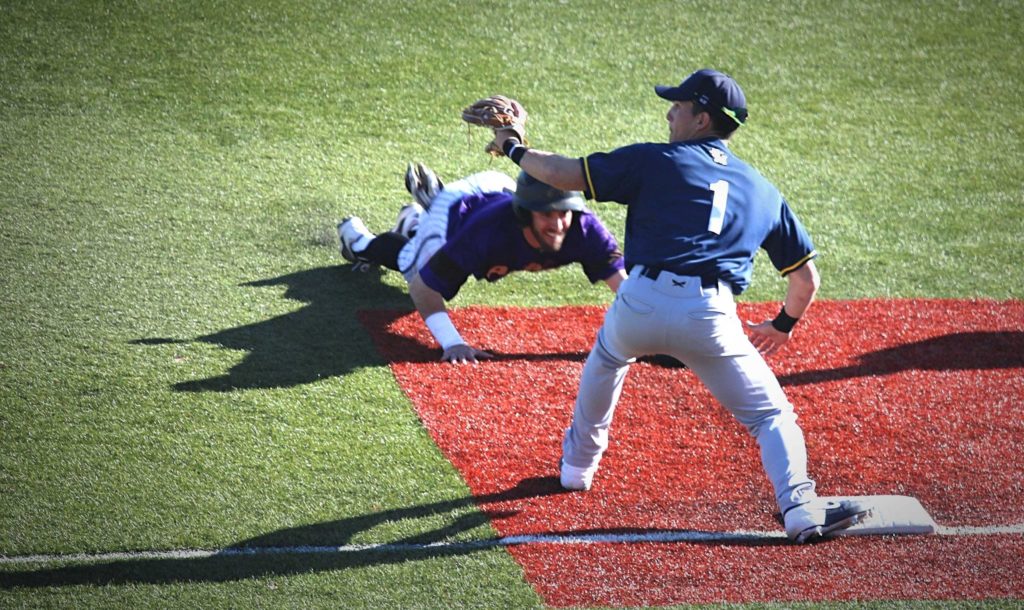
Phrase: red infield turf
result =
(911, 397)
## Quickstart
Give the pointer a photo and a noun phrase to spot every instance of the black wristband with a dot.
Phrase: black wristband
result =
(784, 322)
(513, 149)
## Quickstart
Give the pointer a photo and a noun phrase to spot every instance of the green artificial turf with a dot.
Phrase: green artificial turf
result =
(181, 366)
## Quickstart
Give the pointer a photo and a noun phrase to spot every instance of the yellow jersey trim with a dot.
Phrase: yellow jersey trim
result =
(586, 176)
(798, 264)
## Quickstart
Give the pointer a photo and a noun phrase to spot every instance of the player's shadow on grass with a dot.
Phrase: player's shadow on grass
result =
(325, 338)
(322, 339)
(976, 350)
(334, 545)
(305, 549)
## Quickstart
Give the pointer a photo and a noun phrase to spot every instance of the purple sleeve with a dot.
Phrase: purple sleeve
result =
(443, 274)
(601, 257)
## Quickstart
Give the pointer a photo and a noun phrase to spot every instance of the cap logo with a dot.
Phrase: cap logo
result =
(732, 114)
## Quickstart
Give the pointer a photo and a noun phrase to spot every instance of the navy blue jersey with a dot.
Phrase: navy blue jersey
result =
(485, 241)
(694, 208)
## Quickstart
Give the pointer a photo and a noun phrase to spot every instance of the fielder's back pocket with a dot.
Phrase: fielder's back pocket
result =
(633, 305)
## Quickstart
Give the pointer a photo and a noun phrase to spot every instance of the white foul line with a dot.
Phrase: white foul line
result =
(684, 536)
(987, 530)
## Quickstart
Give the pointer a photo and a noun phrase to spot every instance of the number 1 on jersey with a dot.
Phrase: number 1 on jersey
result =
(721, 194)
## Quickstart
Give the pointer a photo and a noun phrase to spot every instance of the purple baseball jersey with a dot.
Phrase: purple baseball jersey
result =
(485, 241)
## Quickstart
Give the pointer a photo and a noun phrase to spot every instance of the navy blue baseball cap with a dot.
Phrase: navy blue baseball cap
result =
(710, 88)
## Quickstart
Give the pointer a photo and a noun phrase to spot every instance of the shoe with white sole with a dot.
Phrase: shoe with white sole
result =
(422, 183)
(819, 518)
(574, 478)
(408, 220)
(351, 231)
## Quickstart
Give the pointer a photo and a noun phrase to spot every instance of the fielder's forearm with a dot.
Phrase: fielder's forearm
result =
(548, 167)
(803, 285)
(431, 307)
(554, 169)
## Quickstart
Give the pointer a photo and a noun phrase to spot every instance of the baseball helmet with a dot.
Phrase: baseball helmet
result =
(532, 195)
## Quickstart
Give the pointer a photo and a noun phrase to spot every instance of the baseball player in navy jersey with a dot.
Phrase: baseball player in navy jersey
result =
(696, 215)
(485, 226)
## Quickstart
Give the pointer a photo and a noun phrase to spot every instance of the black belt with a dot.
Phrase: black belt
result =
(653, 273)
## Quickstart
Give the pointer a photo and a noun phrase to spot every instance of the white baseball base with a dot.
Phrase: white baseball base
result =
(890, 515)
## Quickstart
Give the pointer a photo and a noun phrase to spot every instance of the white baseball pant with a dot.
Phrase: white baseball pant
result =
(432, 232)
(675, 315)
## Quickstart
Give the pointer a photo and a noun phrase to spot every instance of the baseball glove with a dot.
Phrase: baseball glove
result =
(497, 112)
